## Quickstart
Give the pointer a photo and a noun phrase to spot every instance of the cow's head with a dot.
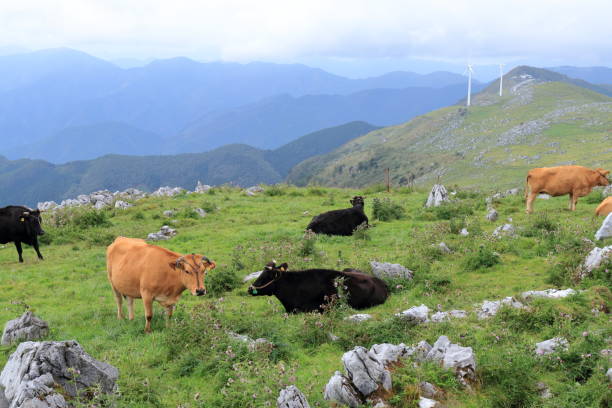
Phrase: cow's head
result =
(265, 284)
(603, 177)
(193, 269)
(32, 221)
(357, 201)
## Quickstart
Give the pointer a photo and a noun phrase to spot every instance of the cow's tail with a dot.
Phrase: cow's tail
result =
(527, 186)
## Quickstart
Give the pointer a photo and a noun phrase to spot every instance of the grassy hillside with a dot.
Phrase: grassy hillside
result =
(535, 123)
(192, 363)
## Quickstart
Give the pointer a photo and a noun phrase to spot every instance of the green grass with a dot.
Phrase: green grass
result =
(193, 356)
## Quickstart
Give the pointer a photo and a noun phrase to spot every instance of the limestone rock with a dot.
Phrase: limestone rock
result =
(492, 215)
(416, 314)
(421, 351)
(490, 308)
(167, 191)
(163, 234)
(365, 371)
(552, 345)
(26, 327)
(202, 188)
(605, 231)
(122, 204)
(251, 191)
(169, 213)
(46, 205)
(251, 276)
(385, 270)
(36, 369)
(464, 232)
(291, 397)
(506, 230)
(437, 196)
(609, 374)
(455, 357)
(428, 390)
(548, 293)
(339, 389)
(595, 258)
(252, 345)
(446, 316)
(389, 353)
(200, 212)
(444, 248)
(359, 317)
(428, 403)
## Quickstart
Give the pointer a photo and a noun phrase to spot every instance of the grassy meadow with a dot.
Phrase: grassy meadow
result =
(191, 362)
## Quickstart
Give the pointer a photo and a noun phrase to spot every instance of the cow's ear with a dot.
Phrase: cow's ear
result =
(604, 172)
(178, 264)
(284, 267)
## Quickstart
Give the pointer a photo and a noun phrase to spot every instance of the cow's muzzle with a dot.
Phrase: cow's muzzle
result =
(200, 292)
(41, 232)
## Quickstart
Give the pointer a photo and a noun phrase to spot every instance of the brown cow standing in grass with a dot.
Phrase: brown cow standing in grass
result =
(577, 181)
(137, 269)
(605, 207)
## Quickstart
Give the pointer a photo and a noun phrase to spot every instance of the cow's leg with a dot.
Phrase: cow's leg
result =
(571, 201)
(130, 307)
(35, 245)
(19, 250)
(574, 201)
(147, 301)
(119, 301)
(530, 198)
(169, 311)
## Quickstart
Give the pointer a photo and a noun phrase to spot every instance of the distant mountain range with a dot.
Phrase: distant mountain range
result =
(543, 119)
(57, 96)
(27, 181)
(594, 75)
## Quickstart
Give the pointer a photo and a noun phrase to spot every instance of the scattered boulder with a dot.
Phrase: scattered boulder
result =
(253, 345)
(122, 204)
(437, 196)
(607, 191)
(428, 390)
(365, 371)
(552, 345)
(453, 356)
(490, 308)
(605, 231)
(167, 191)
(390, 353)
(169, 213)
(513, 191)
(26, 327)
(464, 232)
(46, 205)
(506, 230)
(291, 397)
(251, 276)
(339, 389)
(200, 212)
(548, 293)
(421, 351)
(359, 317)
(444, 248)
(43, 374)
(202, 188)
(415, 315)
(446, 316)
(428, 403)
(595, 258)
(609, 374)
(163, 234)
(385, 270)
(251, 191)
(543, 390)
(492, 215)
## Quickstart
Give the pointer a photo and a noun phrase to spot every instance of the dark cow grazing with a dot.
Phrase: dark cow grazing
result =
(340, 222)
(310, 290)
(20, 224)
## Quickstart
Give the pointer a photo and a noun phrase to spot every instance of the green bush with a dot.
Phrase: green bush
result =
(91, 218)
(456, 225)
(274, 191)
(386, 210)
(316, 191)
(484, 258)
(308, 244)
(540, 224)
(220, 281)
(448, 211)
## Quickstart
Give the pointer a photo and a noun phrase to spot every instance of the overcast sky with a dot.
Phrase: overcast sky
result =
(350, 37)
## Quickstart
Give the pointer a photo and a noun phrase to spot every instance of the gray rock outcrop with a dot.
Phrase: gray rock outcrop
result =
(386, 270)
(47, 372)
(444, 248)
(490, 308)
(24, 328)
(390, 353)
(548, 293)
(291, 397)
(252, 345)
(605, 231)
(595, 258)
(437, 196)
(122, 204)
(340, 389)
(552, 345)
(202, 188)
(167, 191)
(200, 212)
(416, 314)
(359, 317)
(365, 371)
(446, 316)
(455, 357)
(492, 215)
(253, 190)
(506, 230)
(163, 234)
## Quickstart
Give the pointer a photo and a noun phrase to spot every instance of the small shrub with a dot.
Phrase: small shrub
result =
(92, 218)
(308, 244)
(138, 216)
(208, 206)
(456, 225)
(187, 213)
(220, 281)
(386, 210)
(540, 225)
(448, 211)
(330, 200)
(374, 188)
(316, 191)
(484, 258)
(274, 191)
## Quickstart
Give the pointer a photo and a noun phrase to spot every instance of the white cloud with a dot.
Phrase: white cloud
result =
(295, 29)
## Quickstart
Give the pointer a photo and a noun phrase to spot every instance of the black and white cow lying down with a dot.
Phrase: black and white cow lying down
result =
(311, 289)
(340, 222)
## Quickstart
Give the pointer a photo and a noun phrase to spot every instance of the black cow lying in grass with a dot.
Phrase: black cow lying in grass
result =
(340, 222)
(310, 290)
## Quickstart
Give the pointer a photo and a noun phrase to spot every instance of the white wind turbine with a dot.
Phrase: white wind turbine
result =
(470, 71)
(501, 77)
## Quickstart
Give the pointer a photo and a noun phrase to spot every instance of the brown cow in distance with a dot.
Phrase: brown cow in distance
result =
(605, 207)
(577, 181)
(137, 269)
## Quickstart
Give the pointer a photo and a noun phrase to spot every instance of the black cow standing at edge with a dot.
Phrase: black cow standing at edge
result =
(340, 222)
(20, 224)
(310, 290)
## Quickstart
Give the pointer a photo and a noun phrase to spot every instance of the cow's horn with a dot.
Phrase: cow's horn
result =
(180, 260)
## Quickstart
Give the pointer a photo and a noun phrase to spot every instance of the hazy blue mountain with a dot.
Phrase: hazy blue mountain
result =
(91, 141)
(27, 181)
(594, 75)
(274, 121)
